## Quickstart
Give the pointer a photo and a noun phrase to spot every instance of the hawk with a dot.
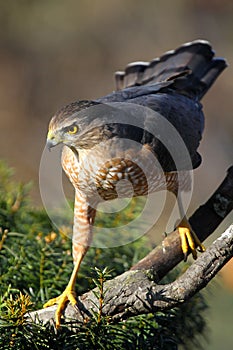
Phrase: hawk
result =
(94, 159)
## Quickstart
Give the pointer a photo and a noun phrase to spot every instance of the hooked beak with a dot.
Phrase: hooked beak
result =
(51, 140)
(50, 144)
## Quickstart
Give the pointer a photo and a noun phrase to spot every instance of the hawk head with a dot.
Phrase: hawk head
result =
(78, 125)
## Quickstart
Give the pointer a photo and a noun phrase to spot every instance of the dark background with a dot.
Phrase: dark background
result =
(53, 52)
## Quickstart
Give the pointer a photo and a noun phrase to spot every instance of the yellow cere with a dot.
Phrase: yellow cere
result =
(50, 135)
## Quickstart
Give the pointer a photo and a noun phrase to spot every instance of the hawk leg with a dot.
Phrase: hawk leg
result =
(68, 295)
(189, 239)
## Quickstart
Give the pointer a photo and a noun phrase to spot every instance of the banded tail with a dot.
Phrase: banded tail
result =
(192, 69)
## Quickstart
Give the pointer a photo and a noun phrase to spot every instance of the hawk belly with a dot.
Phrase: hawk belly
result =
(129, 173)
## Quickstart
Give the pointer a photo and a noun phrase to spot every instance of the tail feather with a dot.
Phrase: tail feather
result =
(215, 68)
(192, 67)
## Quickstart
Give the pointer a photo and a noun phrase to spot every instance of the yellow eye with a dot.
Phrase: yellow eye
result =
(73, 129)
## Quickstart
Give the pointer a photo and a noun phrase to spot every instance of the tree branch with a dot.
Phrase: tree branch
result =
(204, 222)
(135, 292)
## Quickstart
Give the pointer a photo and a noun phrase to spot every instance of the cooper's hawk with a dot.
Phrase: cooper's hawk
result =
(93, 131)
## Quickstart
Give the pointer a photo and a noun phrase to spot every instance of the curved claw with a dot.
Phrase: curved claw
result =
(67, 296)
(189, 240)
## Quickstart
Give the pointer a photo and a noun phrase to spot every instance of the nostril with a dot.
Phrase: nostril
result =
(50, 135)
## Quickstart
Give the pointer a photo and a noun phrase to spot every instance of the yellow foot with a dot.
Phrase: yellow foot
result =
(61, 301)
(189, 239)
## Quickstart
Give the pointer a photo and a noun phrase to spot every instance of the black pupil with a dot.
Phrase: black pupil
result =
(72, 128)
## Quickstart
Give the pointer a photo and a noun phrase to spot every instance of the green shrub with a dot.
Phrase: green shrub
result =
(35, 265)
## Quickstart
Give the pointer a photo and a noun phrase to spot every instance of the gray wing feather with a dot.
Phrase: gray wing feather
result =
(172, 85)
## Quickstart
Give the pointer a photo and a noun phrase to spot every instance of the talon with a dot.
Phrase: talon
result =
(69, 293)
(185, 256)
(184, 244)
(189, 239)
(67, 296)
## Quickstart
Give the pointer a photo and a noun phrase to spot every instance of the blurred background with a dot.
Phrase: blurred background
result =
(54, 52)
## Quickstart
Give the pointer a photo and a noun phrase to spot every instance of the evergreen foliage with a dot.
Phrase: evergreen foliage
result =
(35, 265)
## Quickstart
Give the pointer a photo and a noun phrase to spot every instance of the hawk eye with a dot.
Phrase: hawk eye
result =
(72, 129)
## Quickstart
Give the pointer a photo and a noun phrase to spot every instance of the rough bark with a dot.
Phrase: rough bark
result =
(136, 291)
(204, 221)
